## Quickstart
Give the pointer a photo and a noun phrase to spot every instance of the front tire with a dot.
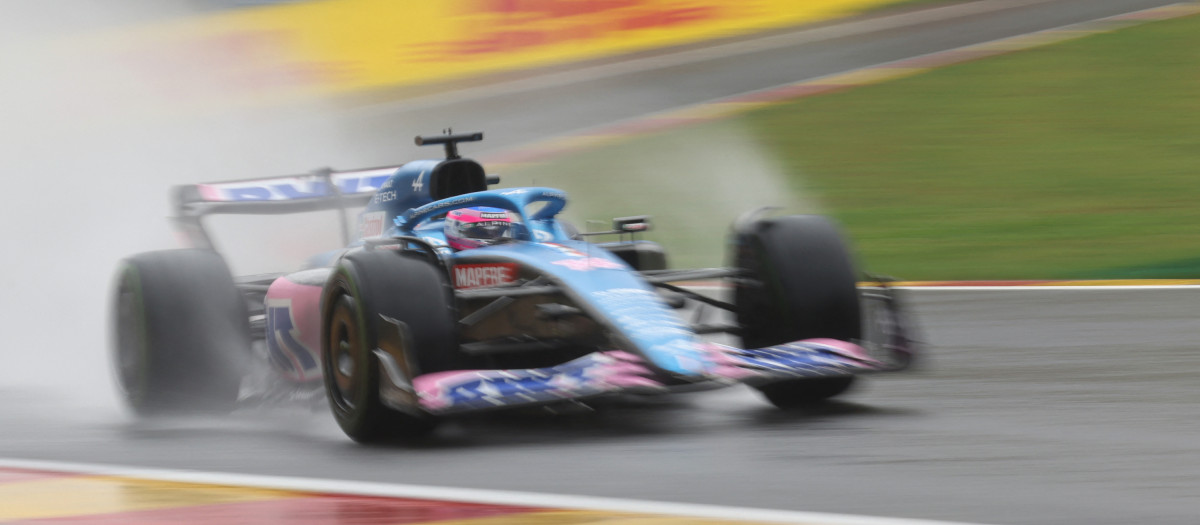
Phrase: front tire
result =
(367, 289)
(803, 286)
(180, 333)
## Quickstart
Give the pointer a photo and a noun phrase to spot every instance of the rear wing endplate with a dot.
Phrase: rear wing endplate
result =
(322, 189)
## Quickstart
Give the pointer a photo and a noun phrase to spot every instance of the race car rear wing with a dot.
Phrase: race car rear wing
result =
(322, 189)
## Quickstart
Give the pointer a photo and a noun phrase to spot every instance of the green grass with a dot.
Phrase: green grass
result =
(1077, 160)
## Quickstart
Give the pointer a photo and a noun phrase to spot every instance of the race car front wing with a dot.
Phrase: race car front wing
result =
(614, 372)
(887, 346)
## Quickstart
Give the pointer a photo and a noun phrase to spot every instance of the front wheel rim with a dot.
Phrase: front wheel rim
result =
(343, 361)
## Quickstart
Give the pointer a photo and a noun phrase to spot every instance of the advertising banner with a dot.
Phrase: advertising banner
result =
(342, 46)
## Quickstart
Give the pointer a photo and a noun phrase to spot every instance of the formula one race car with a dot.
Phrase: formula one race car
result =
(454, 298)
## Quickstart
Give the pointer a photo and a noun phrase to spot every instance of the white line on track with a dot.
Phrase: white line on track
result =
(360, 488)
(718, 287)
(1051, 287)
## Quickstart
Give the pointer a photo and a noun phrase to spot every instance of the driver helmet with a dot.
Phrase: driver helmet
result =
(477, 227)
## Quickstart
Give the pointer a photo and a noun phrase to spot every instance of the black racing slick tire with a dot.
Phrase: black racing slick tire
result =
(180, 333)
(801, 285)
(368, 290)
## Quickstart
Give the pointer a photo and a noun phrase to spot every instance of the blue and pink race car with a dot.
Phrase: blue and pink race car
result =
(453, 297)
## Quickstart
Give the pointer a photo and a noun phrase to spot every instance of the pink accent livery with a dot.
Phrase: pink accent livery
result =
(293, 309)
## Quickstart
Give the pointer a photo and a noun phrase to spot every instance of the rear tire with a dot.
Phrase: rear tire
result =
(180, 333)
(808, 290)
(366, 286)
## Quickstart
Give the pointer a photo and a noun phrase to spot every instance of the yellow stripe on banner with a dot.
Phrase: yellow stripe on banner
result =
(568, 517)
(338, 46)
(76, 496)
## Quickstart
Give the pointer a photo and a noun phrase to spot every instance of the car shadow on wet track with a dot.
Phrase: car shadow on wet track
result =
(569, 423)
(826, 410)
(634, 418)
(645, 419)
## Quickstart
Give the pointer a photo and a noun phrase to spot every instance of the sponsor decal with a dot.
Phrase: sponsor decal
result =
(460, 202)
(418, 183)
(481, 275)
(588, 264)
(284, 351)
(518, 191)
(486, 223)
(371, 224)
(524, 26)
(493, 215)
(292, 188)
(542, 236)
(385, 196)
(590, 375)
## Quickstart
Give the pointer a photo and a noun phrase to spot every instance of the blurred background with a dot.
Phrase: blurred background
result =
(1068, 153)
(998, 169)
(106, 105)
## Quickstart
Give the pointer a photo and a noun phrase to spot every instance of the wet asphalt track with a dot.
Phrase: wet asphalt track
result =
(1047, 407)
(1056, 406)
